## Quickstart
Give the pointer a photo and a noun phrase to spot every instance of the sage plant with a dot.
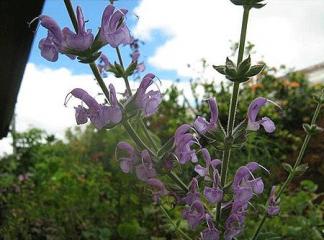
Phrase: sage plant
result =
(212, 204)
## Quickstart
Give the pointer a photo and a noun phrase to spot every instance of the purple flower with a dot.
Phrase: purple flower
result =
(202, 125)
(193, 193)
(140, 67)
(244, 186)
(253, 111)
(103, 64)
(113, 29)
(51, 45)
(159, 188)
(145, 169)
(210, 233)
(127, 163)
(214, 194)
(183, 141)
(233, 226)
(148, 102)
(244, 179)
(194, 214)
(100, 115)
(273, 207)
(204, 171)
(80, 41)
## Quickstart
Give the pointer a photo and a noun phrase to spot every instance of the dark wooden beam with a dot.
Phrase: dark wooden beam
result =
(16, 39)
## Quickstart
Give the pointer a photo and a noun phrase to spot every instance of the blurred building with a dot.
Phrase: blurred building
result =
(315, 73)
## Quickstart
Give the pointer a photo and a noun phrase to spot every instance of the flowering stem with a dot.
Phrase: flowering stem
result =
(148, 135)
(292, 173)
(131, 132)
(232, 111)
(176, 179)
(175, 226)
(69, 8)
(124, 77)
(99, 79)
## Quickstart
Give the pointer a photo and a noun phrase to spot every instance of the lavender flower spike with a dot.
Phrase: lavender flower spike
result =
(145, 170)
(273, 207)
(99, 115)
(148, 102)
(127, 163)
(51, 45)
(202, 125)
(113, 29)
(253, 111)
(193, 193)
(210, 233)
(104, 63)
(80, 41)
(159, 187)
(194, 214)
(204, 171)
(183, 141)
(214, 194)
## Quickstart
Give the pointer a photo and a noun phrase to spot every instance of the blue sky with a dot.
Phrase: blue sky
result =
(176, 33)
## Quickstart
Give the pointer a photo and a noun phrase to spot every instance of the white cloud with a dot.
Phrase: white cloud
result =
(284, 32)
(41, 99)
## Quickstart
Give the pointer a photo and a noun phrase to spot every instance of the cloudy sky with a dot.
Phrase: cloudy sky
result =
(176, 33)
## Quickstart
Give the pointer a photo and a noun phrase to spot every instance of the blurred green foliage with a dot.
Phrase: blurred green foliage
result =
(74, 189)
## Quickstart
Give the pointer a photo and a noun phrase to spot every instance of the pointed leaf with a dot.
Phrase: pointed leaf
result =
(244, 66)
(255, 70)
(287, 167)
(220, 69)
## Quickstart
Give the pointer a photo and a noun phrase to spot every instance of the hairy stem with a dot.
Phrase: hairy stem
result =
(292, 173)
(124, 77)
(184, 235)
(232, 111)
(148, 135)
(70, 10)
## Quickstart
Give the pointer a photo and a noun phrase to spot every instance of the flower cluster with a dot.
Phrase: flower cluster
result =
(188, 147)
(245, 185)
(142, 164)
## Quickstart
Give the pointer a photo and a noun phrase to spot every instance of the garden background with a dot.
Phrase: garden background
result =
(66, 184)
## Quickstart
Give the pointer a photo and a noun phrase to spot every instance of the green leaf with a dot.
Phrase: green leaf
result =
(230, 63)
(167, 147)
(89, 59)
(255, 70)
(309, 186)
(287, 167)
(301, 169)
(220, 69)
(130, 69)
(244, 66)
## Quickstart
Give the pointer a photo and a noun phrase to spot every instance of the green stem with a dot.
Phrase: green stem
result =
(70, 10)
(148, 135)
(232, 112)
(259, 227)
(243, 35)
(124, 77)
(99, 79)
(176, 179)
(103, 86)
(131, 132)
(174, 225)
(292, 173)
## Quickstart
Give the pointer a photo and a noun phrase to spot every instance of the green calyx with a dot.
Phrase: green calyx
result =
(249, 3)
(312, 129)
(241, 73)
